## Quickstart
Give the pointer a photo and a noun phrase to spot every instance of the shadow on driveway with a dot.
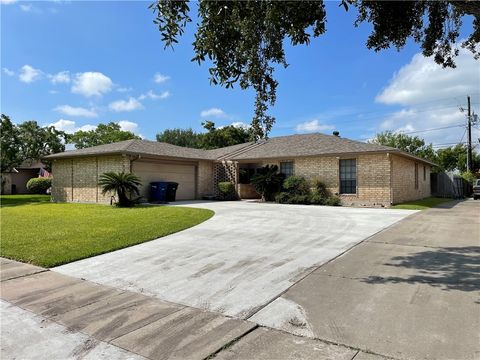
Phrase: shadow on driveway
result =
(449, 268)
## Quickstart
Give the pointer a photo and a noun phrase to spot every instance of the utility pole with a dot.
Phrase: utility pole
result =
(469, 145)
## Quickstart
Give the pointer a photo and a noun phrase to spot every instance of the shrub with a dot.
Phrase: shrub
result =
(282, 197)
(39, 185)
(296, 185)
(286, 198)
(299, 199)
(320, 188)
(468, 176)
(227, 189)
(333, 201)
(267, 181)
(318, 199)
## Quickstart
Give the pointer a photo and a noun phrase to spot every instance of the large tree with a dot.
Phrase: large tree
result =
(37, 141)
(103, 134)
(244, 40)
(9, 145)
(455, 158)
(411, 144)
(27, 142)
(213, 138)
(181, 137)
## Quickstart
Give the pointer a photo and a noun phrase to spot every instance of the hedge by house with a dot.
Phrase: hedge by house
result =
(39, 185)
(296, 190)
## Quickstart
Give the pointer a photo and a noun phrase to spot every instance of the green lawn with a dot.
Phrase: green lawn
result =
(48, 234)
(421, 204)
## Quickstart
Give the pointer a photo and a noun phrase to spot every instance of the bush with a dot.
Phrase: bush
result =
(296, 185)
(333, 201)
(318, 199)
(282, 197)
(286, 198)
(468, 176)
(39, 185)
(320, 189)
(227, 189)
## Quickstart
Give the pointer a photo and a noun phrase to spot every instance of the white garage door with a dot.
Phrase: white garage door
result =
(184, 175)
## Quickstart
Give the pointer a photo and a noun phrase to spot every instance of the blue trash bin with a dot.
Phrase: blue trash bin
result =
(158, 191)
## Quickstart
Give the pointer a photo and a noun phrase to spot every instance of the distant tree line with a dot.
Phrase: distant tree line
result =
(213, 138)
(448, 159)
(30, 141)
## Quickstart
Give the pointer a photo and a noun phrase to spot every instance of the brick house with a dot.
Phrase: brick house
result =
(360, 173)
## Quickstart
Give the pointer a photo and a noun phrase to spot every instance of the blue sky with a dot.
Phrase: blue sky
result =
(76, 64)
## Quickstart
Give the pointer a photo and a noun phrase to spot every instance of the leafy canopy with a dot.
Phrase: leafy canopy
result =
(103, 134)
(455, 158)
(27, 142)
(214, 138)
(411, 144)
(244, 40)
(448, 159)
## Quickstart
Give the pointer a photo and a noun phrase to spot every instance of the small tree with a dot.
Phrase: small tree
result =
(267, 181)
(123, 184)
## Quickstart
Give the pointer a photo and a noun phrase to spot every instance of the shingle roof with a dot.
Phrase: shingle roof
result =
(307, 145)
(151, 148)
(134, 147)
(277, 147)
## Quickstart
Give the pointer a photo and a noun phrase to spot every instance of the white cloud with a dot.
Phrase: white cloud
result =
(423, 80)
(26, 7)
(313, 126)
(29, 74)
(91, 84)
(8, 71)
(240, 124)
(122, 105)
(76, 111)
(213, 112)
(126, 125)
(62, 77)
(160, 78)
(151, 95)
(7, 2)
(432, 96)
(70, 126)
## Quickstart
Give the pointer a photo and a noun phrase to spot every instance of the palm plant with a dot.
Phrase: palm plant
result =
(123, 184)
(267, 181)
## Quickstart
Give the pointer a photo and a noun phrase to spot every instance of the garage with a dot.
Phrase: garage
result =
(183, 174)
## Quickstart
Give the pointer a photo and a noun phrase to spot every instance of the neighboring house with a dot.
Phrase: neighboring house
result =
(360, 173)
(15, 182)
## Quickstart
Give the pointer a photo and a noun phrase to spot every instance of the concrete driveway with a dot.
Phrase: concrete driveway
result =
(240, 260)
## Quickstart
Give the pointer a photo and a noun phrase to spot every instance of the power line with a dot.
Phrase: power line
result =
(432, 129)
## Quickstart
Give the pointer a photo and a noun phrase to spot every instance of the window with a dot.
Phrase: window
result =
(348, 176)
(416, 176)
(286, 168)
(424, 173)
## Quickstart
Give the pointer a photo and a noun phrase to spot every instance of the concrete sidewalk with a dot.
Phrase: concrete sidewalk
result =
(410, 292)
(46, 315)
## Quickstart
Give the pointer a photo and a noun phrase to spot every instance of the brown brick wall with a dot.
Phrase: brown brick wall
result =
(75, 180)
(373, 176)
(204, 178)
(403, 180)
